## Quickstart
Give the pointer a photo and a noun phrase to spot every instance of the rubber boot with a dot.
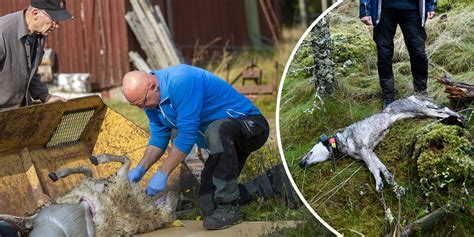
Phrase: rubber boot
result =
(225, 215)
(273, 183)
(260, 187)
(282, 187)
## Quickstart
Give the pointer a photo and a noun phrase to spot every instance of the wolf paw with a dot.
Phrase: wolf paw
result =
(379, 186)
(389, 178)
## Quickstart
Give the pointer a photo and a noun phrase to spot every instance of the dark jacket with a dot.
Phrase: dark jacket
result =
(373, 8)
(19, 78)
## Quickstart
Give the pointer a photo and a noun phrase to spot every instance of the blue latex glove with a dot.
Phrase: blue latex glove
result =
(136, 174)
(157, 184)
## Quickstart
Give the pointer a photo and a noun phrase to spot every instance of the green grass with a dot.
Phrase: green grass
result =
(130, 112)
(346, 197)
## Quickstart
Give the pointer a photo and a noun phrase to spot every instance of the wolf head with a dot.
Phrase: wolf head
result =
(318, 154)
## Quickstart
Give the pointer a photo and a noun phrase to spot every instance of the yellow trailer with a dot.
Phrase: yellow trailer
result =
(43, 138)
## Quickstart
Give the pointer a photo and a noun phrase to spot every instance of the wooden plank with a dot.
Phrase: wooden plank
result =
(157, 48)
(168, 34)
(137, 29)
(149, 36)
(264, 7)
(169, 56)
(276, 22)
(162, 20)
(138, 61)
(256, 90)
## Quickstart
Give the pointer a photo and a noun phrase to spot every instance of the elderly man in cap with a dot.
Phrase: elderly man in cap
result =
(206, 111)
(22, 38)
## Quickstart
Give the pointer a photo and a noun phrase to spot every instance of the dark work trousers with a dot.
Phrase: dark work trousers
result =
(414, 35)
(230, 141)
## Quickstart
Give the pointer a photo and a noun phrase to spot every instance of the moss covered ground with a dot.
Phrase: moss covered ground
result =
(345, 197)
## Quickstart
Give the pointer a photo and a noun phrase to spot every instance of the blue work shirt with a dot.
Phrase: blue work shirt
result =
(192, 98)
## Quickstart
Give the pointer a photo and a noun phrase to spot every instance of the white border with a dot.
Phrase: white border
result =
(280, 148)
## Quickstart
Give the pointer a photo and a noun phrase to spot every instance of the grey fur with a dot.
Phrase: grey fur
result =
(359, 139)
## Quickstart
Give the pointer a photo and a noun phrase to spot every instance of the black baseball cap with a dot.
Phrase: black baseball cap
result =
(56, 9)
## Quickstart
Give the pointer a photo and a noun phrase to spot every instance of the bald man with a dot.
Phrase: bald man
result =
(206, 111)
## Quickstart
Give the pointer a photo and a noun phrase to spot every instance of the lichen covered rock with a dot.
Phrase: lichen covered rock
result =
(444, 156)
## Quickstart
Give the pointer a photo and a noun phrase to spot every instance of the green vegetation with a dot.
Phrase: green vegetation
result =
(438, 164)
(346, 197)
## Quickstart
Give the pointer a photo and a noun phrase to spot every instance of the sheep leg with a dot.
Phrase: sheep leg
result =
(105, 158)
(22, 224)
(167, 204)
(68, 171)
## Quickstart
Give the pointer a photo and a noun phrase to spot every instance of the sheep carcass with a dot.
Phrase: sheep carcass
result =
(99, 207)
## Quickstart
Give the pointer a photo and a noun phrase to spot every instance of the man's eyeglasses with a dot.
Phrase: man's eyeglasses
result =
(142, 104)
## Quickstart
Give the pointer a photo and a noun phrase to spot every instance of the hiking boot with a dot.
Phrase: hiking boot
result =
(386, 102)
(223, 217)
(273, 183)
(423, 95)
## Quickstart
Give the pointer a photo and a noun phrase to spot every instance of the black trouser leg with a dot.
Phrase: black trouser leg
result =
(383, 37)
(415, 37)
(230, 142)
(207, 188)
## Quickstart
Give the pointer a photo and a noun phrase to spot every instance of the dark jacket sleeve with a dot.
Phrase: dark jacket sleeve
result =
(38, 90)
(364, 8)
(430, 5)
